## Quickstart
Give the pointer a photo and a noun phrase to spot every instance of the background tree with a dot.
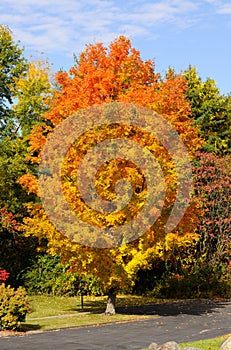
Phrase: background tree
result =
(213, 185)
(32, 92)
(25, 90)
(103, 75)
(201, 268)
(12, 65)
(211, 112)
(16, 251)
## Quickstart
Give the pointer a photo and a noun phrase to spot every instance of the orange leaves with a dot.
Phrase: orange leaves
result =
(103, 75)
(118, 73)
(37, 140)
(170, 102)
(30, 183)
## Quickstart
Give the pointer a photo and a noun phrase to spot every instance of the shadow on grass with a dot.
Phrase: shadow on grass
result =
(189, 307)
(26, 327)
(93, 306)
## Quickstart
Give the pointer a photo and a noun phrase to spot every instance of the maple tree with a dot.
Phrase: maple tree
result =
(102, 76)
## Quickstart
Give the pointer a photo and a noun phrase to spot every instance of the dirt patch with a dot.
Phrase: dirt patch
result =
(10, 333)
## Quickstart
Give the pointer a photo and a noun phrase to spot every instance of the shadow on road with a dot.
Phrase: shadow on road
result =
(190, 307)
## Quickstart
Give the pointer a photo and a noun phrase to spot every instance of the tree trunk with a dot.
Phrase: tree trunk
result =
(111, 301)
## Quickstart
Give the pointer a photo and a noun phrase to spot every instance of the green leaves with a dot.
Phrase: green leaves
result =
(13, 164)
(211, 112)
(33, 93)
(12, 64)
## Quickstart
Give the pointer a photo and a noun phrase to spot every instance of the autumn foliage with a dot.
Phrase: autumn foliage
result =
(213, 186)
(104, 75)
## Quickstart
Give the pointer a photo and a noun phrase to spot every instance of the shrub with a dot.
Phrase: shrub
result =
(13, 307)
(42, 276)
(199, 282)
(49, 276)
(185, 276)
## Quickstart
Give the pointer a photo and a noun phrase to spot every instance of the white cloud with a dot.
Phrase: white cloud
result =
(44, 25)
(130, 29)
(221, 7)
(162, 11)
(225, 9)
(56, 25)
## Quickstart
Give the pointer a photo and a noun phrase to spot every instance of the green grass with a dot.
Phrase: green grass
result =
(69, 308)
(42, 305)
(209, 344)
(80, 320)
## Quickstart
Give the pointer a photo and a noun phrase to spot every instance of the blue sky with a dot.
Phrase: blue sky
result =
(174, 33)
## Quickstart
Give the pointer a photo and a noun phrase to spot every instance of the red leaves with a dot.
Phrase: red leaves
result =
(4, 275)
(213, 187)
(7, 221)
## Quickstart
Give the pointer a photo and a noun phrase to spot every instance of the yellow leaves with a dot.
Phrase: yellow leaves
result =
(33, 94)
(103, 75)
(173, 242)
(36, 78)
(142, 259)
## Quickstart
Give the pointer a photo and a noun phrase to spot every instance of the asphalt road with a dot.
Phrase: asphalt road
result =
(180, 321)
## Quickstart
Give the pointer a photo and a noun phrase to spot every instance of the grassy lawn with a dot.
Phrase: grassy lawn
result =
(43, 306)
(78, 320)
(69, 308)
(210, 344)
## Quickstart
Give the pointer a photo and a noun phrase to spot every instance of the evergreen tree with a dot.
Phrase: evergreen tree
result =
(211, 112)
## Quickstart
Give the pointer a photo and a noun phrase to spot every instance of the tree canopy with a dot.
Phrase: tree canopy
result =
(103, 75)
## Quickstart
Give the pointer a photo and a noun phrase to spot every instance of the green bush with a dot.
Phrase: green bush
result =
(13, 307)
(90, 285)
(203, 282)
(50, 277)
(43, 276)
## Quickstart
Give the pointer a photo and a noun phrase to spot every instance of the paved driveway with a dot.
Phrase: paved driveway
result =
(180, 321)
